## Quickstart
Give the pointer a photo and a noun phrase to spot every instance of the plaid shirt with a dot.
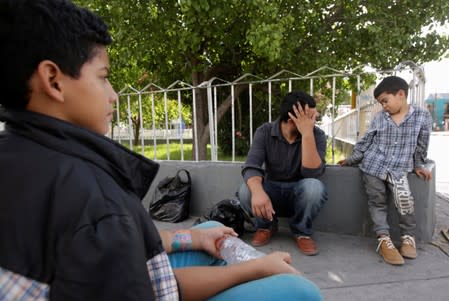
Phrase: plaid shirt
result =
(15, 287)
(387, 148)
(162, 278)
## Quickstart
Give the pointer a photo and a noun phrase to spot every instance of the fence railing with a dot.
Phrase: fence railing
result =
(347, 128)
(123, 134)
(350, 126)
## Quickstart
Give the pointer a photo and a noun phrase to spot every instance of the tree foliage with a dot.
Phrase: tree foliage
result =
(194, 40)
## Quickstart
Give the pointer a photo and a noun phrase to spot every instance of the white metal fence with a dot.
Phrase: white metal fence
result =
(347, 128)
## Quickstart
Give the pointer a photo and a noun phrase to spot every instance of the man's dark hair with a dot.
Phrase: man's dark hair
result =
(293, 98)
(35, 30)
(391, 85)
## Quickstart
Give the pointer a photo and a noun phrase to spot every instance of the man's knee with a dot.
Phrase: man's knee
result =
(312, 189)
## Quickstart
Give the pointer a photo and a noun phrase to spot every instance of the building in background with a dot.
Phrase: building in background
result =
(438, 106)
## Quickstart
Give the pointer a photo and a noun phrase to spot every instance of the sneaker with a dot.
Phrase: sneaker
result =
(306, 245)
(388, 251)
(408, 247)
(262, 236)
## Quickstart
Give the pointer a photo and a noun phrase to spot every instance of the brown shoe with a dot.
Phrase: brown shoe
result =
(262, 236)
(307, 245)
(388, 251)
(408, 247)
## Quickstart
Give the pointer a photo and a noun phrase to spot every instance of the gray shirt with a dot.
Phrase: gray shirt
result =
(282, 160)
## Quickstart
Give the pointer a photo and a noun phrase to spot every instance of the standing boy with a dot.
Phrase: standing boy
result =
(395, 144)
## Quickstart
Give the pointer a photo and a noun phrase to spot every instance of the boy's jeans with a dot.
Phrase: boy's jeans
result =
(377, 193)
(300, 201)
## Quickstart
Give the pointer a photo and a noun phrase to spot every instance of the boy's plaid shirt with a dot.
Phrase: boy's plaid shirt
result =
(388, 148)
(16, 287)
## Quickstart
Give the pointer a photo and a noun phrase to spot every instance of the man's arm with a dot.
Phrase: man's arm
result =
(310, 157)
(253, 175)
(256, 155)
(305, 123)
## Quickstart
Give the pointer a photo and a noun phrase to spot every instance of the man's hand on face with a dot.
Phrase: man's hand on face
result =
(304, 119)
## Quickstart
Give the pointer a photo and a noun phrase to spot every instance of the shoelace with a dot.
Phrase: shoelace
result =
(387, 241)
(408, 240)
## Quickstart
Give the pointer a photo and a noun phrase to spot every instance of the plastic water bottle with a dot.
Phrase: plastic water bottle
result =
(234, 250)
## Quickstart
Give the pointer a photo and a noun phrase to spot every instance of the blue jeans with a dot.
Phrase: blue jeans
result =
(300, 201)
(278, 287)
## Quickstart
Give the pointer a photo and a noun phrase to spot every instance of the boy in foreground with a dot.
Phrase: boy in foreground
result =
(71, 223)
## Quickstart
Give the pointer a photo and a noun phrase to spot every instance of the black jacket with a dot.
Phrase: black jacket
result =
(70, 210)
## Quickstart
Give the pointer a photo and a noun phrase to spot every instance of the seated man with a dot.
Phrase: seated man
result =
(292, 150)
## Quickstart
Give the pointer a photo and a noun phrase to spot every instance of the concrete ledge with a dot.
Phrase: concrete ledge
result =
(345, 213)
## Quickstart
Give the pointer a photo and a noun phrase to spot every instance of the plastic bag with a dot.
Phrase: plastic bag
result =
(171, 202)
(230, 213)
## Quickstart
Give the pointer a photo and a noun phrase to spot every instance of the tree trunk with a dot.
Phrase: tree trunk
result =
(199, 123)
(239, 114)
(136, 125)
(202, 122)
(221, 110)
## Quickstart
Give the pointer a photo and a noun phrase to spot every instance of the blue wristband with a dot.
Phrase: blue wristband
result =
(182, 241)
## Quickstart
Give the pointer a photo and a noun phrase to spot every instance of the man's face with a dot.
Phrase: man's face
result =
(392, 103)
(90, 98)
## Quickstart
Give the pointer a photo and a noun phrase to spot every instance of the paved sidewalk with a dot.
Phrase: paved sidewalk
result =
(438, 148)
(348, 268)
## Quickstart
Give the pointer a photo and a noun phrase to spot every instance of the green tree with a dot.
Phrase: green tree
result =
(196, 40)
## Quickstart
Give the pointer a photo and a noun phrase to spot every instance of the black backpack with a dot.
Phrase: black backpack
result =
(230, 213)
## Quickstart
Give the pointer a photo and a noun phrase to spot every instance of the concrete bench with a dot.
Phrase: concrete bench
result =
(345, 213)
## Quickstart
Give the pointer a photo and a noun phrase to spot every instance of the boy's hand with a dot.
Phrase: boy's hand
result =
(207, 238)
(342, 162)
(423, 173)
(276, 263)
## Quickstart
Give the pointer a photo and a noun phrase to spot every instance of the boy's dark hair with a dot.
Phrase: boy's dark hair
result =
(35, 30)
(391, 85)
(291, 99)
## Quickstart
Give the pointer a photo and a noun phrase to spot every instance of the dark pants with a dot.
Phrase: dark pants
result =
(299, 201)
